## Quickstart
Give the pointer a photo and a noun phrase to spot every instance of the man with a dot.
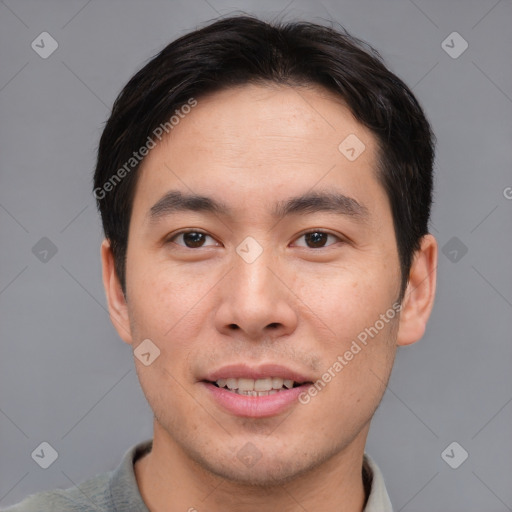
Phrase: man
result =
(265, 192)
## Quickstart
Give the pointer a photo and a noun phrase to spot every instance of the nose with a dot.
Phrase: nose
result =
(256, 301)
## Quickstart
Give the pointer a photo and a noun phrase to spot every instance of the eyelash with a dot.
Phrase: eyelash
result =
(320, 231)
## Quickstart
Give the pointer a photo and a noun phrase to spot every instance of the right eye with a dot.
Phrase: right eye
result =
(191, 238)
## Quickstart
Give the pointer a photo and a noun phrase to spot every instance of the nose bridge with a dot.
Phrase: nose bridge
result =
(251, 270)
(254, 298)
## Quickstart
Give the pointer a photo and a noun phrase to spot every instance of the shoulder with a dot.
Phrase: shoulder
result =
(92, 494)
(114, 490)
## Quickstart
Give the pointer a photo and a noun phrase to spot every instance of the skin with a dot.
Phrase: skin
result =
(296, 305)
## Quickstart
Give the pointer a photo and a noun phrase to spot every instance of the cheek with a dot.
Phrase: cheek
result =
(355, 374)
(346, 299)
(164, 389)
(168, 305)
(165, 307)
(362, 320)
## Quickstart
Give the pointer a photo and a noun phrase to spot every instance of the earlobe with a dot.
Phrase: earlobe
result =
(116, 301)
(419, 296)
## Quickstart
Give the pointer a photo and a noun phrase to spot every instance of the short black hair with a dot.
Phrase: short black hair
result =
(240, 50)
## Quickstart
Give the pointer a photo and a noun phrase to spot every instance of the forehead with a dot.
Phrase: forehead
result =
(240, 120)
(260, 141)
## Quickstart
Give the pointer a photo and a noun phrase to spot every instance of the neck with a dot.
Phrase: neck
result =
(169, 481)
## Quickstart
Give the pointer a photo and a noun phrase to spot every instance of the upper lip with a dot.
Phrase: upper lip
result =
(238, 371)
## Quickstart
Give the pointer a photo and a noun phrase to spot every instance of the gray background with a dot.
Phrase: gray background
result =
(65, 376)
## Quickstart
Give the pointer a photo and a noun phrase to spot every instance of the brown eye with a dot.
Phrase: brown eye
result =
(317, 239)
(191, 239)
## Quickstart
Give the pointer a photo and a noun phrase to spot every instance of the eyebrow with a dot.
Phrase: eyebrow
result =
(310, 202)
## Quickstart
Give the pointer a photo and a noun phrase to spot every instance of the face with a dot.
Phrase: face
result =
(263, 291)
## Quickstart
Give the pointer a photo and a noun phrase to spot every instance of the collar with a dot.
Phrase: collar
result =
(378, 499)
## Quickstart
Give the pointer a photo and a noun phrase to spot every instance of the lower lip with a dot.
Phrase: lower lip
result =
(255, 406)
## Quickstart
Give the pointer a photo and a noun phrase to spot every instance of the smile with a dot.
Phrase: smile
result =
(256, 387)
(255, 392)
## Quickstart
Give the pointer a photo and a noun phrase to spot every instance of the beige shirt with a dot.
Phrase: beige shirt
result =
(117, 490)
(378, 500)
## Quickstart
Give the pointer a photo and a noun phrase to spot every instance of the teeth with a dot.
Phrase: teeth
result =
(277, 382)
(256, 387)
(255, 393)
(231, 383)
(263, 384)
(246, 384)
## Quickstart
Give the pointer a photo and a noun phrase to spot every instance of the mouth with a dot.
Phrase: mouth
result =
(256, 387)
(255, 392)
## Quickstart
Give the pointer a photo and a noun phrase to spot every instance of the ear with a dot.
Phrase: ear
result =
(419, 295)
(117, 307)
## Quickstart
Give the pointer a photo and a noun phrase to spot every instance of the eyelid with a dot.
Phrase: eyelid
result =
(323, 231)
(172, 236)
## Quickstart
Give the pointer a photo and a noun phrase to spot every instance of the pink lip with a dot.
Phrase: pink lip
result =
(238, 371)
(255, 406)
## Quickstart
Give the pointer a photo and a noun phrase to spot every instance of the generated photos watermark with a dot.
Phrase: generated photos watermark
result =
(348, 355)
(138, 156)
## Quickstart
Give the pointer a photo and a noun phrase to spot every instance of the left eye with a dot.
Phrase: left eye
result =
(317, 239)
(192, 239)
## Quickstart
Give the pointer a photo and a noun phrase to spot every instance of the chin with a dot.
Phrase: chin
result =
(269, 468)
